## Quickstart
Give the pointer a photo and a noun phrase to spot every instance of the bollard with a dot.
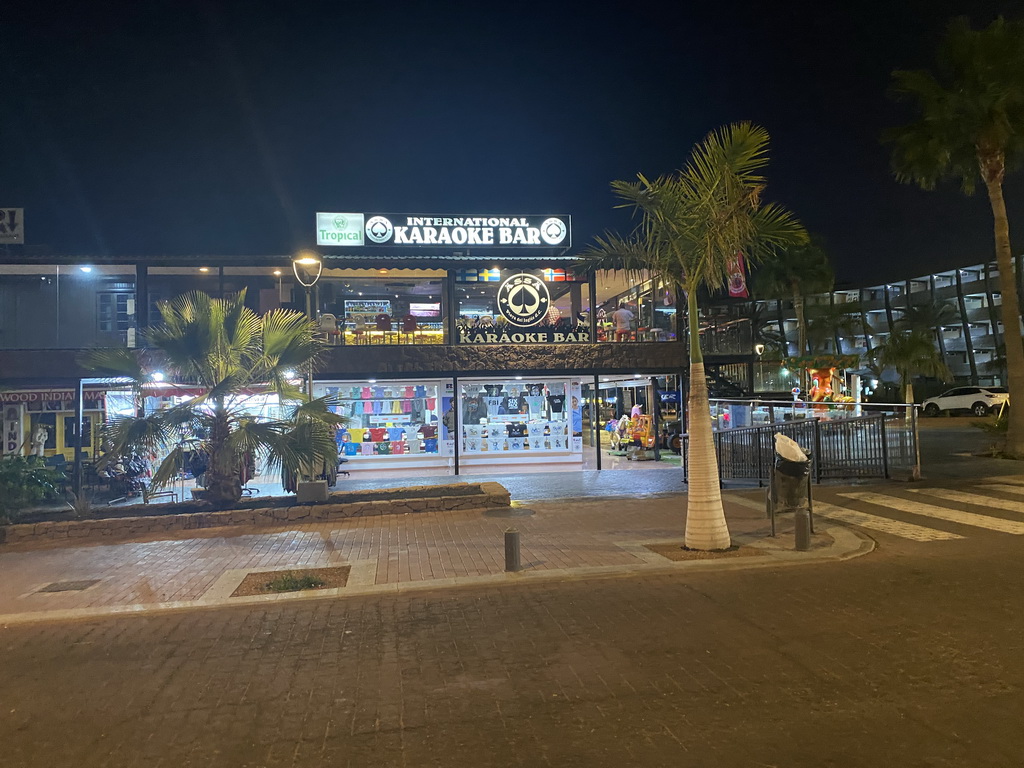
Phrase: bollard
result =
(802, 520)
(511, 550)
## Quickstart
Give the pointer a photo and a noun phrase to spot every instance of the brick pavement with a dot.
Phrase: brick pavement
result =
(911, 657)
(438, 547)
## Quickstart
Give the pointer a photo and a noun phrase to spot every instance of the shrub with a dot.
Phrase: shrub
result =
(25, 480)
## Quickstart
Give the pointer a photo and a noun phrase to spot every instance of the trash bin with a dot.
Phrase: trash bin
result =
(789, 486)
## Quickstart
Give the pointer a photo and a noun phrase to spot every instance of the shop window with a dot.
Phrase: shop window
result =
(391, 421)
(550, 310)
(521, 420)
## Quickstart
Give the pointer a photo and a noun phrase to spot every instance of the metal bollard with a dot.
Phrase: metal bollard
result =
(511, 550)
(802, 520)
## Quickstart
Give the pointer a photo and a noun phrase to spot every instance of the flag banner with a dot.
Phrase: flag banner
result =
(737, 278)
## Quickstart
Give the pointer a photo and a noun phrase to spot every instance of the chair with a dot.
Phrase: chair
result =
(410, 327)
(328, 328)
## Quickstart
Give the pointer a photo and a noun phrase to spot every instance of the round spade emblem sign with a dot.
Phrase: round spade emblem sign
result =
(523, 300)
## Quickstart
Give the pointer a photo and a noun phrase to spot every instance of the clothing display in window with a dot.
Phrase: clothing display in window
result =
(557, 403)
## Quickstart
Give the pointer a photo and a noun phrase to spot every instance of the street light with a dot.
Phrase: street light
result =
(307, 267)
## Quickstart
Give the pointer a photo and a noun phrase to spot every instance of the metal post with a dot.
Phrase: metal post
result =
(656, 417)
(915, 436)
(817, 451)
(512, 550)
(802, 521)
(76, 480)
(592, 286)
(457, 410)
(452, 316)
(595, 414)
(885, 446)
(309, 316)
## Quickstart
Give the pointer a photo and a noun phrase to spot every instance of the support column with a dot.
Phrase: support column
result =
(457, 409)
(592, 287)
(595, 418)
(141, 296)
(993, 316)
(966, 328)
(220, 283)
(450, 308)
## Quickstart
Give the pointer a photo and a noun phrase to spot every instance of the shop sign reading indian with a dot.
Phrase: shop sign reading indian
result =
(524, 302)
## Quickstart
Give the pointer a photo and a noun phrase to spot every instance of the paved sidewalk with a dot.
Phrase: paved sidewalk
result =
(562, 539)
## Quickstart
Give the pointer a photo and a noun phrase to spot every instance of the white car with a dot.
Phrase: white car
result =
(977, 400)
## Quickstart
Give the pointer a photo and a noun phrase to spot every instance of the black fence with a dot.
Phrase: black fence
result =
(867, 446)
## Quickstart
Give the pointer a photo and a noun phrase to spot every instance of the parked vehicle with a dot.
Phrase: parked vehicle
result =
(977, 400)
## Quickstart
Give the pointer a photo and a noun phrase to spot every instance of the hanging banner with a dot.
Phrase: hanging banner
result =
(737, 278)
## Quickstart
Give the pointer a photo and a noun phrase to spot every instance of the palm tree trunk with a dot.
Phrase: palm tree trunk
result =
(223, 483)
(1014, 445)
(706, 528)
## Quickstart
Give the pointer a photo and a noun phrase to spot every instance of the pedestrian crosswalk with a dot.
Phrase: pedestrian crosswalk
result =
(927, 514)
(939, 513)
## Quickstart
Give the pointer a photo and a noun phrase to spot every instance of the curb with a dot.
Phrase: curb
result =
(847, 544)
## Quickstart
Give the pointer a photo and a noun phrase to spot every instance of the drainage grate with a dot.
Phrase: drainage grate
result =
(69, 586)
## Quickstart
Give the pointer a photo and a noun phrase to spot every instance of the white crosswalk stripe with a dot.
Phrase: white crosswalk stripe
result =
(1016, 490)
(939, 513)
(1010, 479)
(883, 524)
(1007, 505)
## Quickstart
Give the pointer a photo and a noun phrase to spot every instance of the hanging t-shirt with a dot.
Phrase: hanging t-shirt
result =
(378, 433)
(378, 406)
(514, 403)
(428, 430)
(356, 435)
(395, 433)
(430, 445)
(536, 389)
(366, 393)
(516, 444)
(421, 391)
(494, 405)
(496, 443)
(535, 403)
(407, 393)
(493, 390)
(431, 402)
(366, 449)
(378, 391)
(473, 409)
(384, 449)
(354, 393)
(414, 444)
(367, 406)
(351, 449)
(557, 403)
(397, 446)
(515, 430)
(536, 429)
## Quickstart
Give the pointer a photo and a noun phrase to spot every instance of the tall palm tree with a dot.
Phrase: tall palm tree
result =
(795, 273)
(228, 353)
(911, 353)
(970, 124)
(692, 225)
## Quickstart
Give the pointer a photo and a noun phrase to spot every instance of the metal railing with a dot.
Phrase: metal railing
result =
(844, 443)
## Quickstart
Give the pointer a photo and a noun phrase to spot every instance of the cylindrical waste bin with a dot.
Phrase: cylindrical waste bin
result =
(789, 486)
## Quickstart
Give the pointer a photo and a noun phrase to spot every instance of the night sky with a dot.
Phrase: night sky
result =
(220, 128)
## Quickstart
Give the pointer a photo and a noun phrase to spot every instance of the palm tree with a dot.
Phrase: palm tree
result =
(228, 352)
(911, 353)
(692, 225)
(795, 273)
(970, 124)
(828, 323)
(931, 317)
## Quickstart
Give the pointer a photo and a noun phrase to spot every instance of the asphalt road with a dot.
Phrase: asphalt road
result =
(910, 656)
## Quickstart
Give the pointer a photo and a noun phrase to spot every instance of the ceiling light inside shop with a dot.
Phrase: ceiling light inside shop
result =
(86, 269)
(277, 272)
(204, 269)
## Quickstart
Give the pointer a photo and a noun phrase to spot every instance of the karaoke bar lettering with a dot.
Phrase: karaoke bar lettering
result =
(480, 336)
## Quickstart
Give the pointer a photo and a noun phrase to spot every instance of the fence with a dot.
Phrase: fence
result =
(844, 441)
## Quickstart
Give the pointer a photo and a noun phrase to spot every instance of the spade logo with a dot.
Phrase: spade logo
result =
(523, 300)
(379, 229)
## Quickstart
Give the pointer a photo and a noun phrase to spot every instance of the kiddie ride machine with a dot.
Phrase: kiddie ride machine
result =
(633, 437)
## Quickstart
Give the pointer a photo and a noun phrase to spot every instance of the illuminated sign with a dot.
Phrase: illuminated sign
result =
(524, 300)
(339, 229)
(401, 229)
